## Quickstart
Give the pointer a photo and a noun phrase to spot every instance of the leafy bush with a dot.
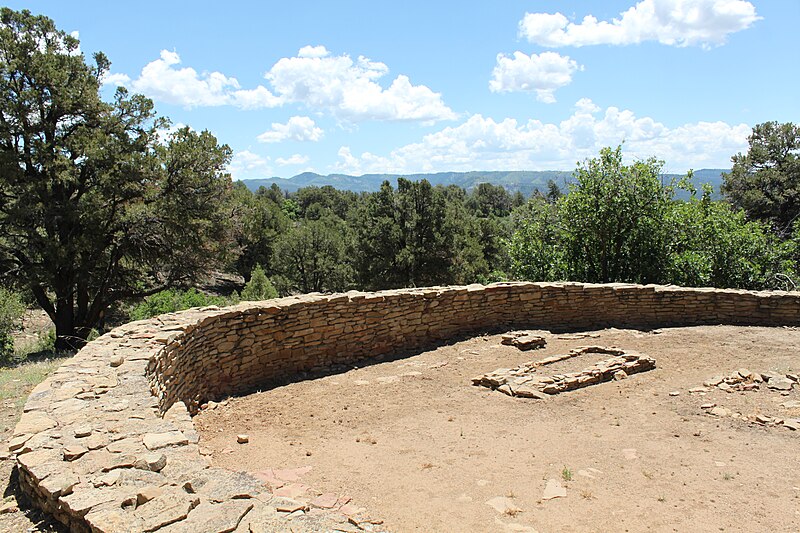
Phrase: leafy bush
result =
(713, 245)
(259, 287)
(172, 300)
(11, 310)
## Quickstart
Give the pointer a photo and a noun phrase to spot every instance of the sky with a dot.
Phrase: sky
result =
(361, 87)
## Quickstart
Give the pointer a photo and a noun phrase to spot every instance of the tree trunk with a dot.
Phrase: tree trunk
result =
(68, 336)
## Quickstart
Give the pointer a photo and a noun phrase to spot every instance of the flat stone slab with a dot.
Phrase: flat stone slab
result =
(165, 510)
(218, 485)
(503, 505)
(524, 340)
(553, 490)
(527, 381)
(212, 517)
(34, 422)
(155, 441)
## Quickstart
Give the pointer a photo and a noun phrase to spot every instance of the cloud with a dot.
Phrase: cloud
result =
(681, 23)
(164, 81)
(247, 165)
(484, 143)
(349, 89)
(165, 134)
(297, 129)
(542, 74)
(295, 159)
(313, 51)
(316, 79)
(115, 79)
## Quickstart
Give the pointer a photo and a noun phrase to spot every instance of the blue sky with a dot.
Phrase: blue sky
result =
(360, 87)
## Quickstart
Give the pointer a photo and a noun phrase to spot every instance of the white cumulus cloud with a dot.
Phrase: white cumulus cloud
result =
(115, 79)
(165, 81)
(671, 22)
(540, 73)
(348, 89)
(484, 143)
(295, 159)
(246, 165)
(345, 88)
(296, 129)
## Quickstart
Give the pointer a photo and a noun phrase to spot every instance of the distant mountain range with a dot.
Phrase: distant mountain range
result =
(525, 181)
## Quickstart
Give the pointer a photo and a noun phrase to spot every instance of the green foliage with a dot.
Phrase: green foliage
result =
(312, 257)
(713, 245)
(259, 287)
(553, 192)
(619, 223)
(171, 300)
(422, 235)
(536, 247)
(258, 220)
(765, 182)
(11, 311)
(315, 202)
(96, 207)
(613, 220)
(490, 200)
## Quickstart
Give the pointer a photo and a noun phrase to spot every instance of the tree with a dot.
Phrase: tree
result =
(94, 208)
(379, 239)
(713, 245)
(490, 200)
(259, 287)
(613, 220)
(553, 191)
(765, 182)
(316, 202)
(259, 220)
(536, 248)
(311, 256)
(405, 237)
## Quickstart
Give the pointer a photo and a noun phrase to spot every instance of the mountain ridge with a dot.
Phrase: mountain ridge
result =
(525, 181)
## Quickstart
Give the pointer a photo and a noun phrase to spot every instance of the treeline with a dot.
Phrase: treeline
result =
(616, 222)
(324, 239)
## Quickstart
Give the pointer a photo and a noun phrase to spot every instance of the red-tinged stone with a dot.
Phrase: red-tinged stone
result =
(326, 501)
(292, 474)
(268, 477)
(351, 509)
(293, 490)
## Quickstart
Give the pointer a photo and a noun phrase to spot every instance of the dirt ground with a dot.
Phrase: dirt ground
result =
(413, 442)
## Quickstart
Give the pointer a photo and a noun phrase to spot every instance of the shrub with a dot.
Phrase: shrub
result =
(259, 287)
(172, 300)
(11, 310)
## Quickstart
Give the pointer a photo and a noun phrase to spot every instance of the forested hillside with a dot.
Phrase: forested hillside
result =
(525, 181)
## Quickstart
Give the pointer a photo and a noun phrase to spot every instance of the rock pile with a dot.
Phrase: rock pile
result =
(526, 382)
(524, 340)
(745, 380)
(760, 419)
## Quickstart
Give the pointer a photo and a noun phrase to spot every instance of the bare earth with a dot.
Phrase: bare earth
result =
(413, 442)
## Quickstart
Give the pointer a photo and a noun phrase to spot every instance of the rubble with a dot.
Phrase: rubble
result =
(526, 381)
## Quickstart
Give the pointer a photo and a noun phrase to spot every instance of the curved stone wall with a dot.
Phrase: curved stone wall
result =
(106, 443)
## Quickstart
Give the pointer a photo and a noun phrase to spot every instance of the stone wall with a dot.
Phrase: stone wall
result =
(107, 444)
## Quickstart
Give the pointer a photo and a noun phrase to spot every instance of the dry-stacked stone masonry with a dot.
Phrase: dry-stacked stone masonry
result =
(526, 381)
(106, 443)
